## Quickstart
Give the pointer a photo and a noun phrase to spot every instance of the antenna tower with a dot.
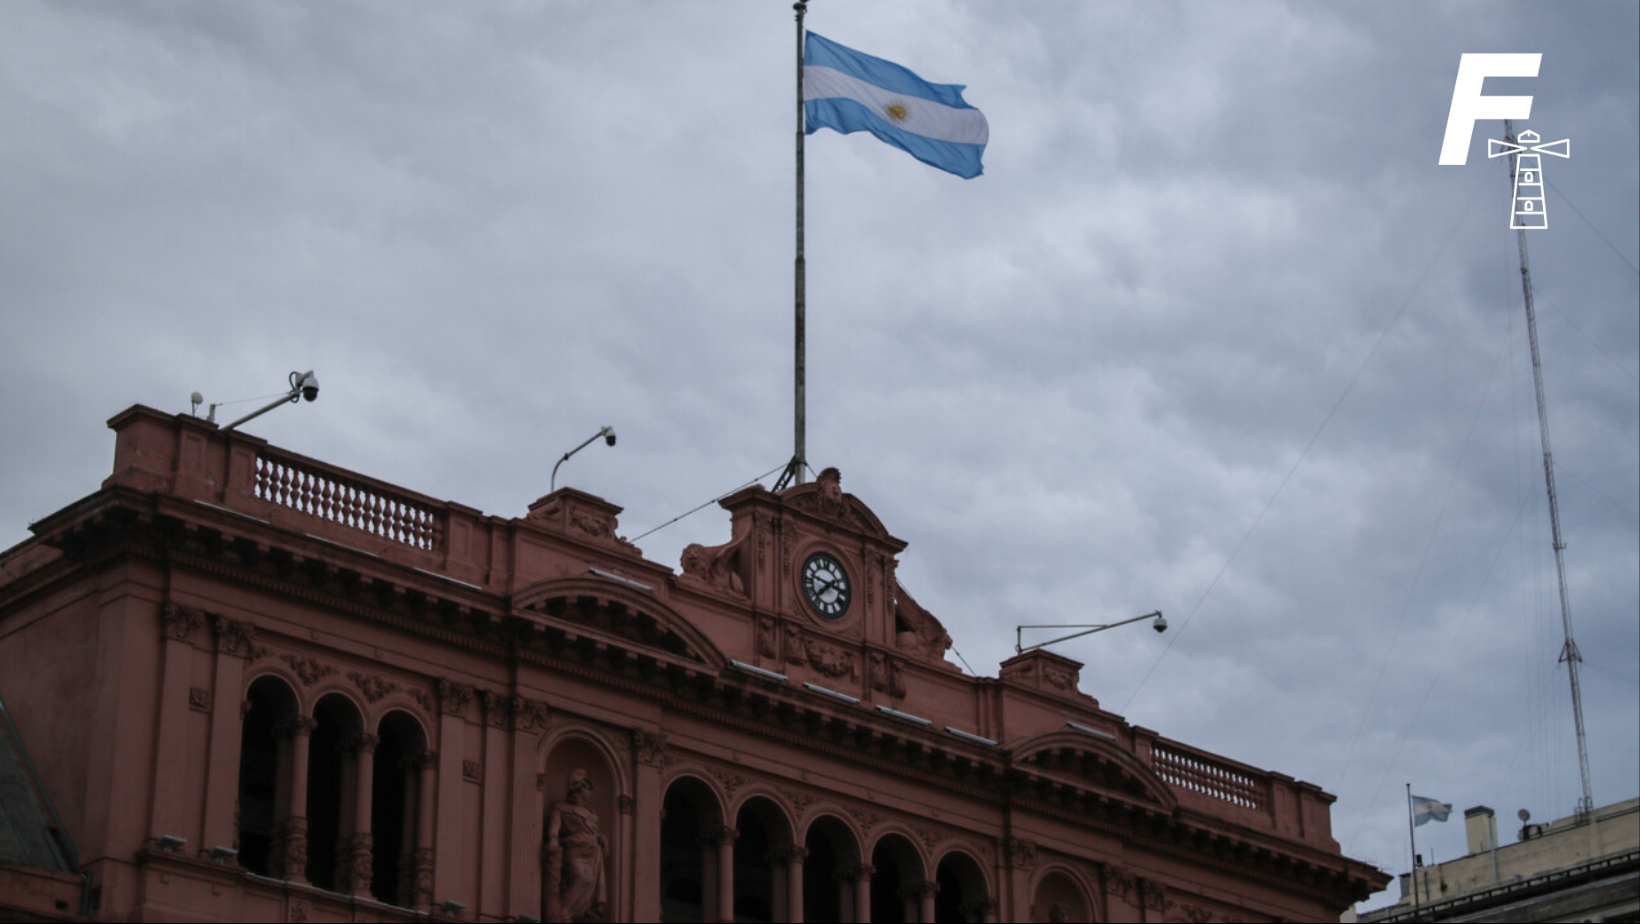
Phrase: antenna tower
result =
(1568, 652)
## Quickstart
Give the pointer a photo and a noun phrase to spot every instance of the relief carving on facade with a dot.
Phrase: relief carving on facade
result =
(731, 781)
(308, 670)
(232, 637)
(181, 621)
(472, 771)
(650, 747)
(360, 869)
(867, 819)
(453, 697)
(831, 660)
(528, 714)
(1021, 852)
(794, 649)
(371, 686)
(1154, 895)
(1058, 678)
(1118, 882)
(797, 800)
(496, 708)
(1196, 914)
(421, 879)
(576, 888)
(199, 698)
(767, 635)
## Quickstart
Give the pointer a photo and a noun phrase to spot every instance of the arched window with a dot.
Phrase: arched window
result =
(264, 779)
(829, 872)
(896, 881)
(761, 848)
(962, 897)
(331, 790)
(691, 822)
(395, 797)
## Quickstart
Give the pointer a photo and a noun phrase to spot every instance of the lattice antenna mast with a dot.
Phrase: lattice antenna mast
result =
(1568, 652)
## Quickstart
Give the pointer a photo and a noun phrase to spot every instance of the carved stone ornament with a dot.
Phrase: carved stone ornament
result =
(472, 771)
(626, 804)
(181, 621)
(309, 670)
(1058, 678)
(767, 635)
(829, 660)
(528, 714)
(1118, 882)
(794, 649)
(1154, 893)
(650, 747)
(199, 698)
(1021, 852)
(731, 781)
(299, 911)
(453, 697)
(798, 800)
(371, 686)
(421, 880)
(233, 638)
(1196, 914)
(496, 708)
(717, 567)
(867, 819)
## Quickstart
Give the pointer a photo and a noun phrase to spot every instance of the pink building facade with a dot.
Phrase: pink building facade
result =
(259, 687)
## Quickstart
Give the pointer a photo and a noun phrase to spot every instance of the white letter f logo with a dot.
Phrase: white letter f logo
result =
(1469, 106)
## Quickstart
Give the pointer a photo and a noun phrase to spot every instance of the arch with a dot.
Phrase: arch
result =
(1099, 764)
(580, 826)
(264, 774)
(897, 881)
(831, 870)
(963, 889)
(628, 614)
(763, 839)
(395, 805)
(332, 788)
(1059, 896)
(691, 828)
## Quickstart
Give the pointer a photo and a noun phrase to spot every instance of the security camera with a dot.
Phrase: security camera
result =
(309, 385)
(1160, 625)
(609, 436)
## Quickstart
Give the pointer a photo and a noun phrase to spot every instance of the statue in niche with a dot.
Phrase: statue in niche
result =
(575, 887)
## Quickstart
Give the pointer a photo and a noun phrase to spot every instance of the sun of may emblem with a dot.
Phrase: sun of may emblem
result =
(897, 110)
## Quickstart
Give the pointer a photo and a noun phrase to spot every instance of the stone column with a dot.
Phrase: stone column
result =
(299, 729)
(421, 867)
(926, 891)
(861, 876)
(793, 857)
(361, 865)
(233, 642)
(725, 838)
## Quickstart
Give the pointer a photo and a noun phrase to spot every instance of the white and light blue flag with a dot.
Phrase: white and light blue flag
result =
(1426, 809)
(848, 91)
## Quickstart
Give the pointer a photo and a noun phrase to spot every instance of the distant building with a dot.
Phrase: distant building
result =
(1573, 869)
(257, 687)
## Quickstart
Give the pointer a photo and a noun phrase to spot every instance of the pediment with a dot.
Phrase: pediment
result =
(596, 606)
(1075, 757)
(824, 500)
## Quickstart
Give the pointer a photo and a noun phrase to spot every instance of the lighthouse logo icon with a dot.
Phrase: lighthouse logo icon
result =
(1527, 210)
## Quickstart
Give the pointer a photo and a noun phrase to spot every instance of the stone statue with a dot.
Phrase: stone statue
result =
(576, 889)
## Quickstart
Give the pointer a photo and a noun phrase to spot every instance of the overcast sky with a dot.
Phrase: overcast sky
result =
(1213, 334)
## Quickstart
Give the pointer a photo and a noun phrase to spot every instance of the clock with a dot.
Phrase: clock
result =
(825, 585)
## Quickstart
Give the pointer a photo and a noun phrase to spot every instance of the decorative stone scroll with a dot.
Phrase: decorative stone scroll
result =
(717, 567)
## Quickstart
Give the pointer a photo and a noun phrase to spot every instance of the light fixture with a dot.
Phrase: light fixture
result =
(303, 385)
(1158, 623)
(452, 907)
(223, 854)
(170, 843)
(608, 433)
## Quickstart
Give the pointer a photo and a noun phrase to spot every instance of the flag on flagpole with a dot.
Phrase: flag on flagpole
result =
(848, 91)
(1427, 809)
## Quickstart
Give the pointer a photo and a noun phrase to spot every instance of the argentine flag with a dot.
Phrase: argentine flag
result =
(848, 91)
(1426, 809)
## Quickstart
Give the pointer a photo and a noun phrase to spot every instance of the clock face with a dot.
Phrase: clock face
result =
(826, 586)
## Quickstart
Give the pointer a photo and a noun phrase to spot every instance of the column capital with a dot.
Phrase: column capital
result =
(361, 743)
(296, 726)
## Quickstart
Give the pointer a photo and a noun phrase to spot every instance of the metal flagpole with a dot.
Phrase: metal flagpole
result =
(1414, 838)
(794, 473)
